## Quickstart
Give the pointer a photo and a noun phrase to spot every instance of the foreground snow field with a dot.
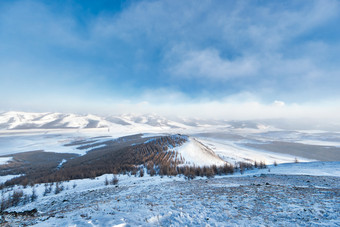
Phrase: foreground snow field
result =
(252, 200)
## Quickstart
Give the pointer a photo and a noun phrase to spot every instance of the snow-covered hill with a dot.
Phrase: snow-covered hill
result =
(196, 153)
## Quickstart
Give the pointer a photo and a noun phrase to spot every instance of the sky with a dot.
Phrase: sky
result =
(217, 59)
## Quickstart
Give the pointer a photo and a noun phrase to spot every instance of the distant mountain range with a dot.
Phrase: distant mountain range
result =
(14, 120)
(25, 120)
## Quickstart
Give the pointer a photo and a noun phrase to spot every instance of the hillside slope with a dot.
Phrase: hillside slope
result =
(196, 153)
(163, 155)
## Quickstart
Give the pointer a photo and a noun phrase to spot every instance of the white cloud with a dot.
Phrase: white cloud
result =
(236, 110)
(278, 103)
(244, 106)
(167, 102)
(209, 64)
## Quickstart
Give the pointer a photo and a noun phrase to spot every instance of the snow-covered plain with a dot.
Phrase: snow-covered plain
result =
(49, 141)
(233, 152)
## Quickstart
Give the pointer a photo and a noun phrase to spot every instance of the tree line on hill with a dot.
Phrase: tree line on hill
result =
(157, 156)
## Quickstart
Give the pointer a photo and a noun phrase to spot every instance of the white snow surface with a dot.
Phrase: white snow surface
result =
(61, 163)
(256, 198)
(303, 168)
(3, 179)
(195, 153)
(232, 152)
(49, 141)
(5, 160)
(320, 142)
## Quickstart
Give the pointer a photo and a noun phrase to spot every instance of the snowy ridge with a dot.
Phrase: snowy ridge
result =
(195, 153)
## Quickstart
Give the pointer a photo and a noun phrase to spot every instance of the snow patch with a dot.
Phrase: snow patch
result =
(3, 179)
(5, 160)
(61, 163)
(331, 169)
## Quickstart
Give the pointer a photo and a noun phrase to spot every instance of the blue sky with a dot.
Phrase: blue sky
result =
(265, 58)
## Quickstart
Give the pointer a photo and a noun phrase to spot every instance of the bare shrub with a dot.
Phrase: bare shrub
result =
(262, 165)
(227, 169)
(114, 180)
(34, 195)
(134, 172)
(152, 172)
(5, 203)
(141, 173)
(58, 188)
(16, 197)
(47, 190)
